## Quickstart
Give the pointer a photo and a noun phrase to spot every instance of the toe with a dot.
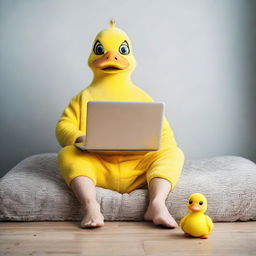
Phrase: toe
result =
(170, 224)
(165, 222)
(100, 224)
(87, 224)
(173, 223)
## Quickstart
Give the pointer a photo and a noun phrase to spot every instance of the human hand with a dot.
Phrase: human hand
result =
(81, 139)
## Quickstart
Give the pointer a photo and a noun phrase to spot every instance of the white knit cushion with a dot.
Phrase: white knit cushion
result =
(34, 191)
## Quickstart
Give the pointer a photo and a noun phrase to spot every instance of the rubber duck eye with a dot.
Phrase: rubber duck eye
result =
(99, 49)
(190, 201)
(124, 49)
(201, 202)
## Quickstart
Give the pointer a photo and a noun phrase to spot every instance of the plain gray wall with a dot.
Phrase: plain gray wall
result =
(196, 56)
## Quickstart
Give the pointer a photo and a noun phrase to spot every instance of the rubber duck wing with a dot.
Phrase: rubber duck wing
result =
(209, 223)
(183, 220)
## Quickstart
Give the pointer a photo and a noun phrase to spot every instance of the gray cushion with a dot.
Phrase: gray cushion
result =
(34, 191)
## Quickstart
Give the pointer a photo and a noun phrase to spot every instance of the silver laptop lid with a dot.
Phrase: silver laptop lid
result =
(124, 125)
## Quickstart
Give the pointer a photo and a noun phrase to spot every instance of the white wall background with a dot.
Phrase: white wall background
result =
(196, 56)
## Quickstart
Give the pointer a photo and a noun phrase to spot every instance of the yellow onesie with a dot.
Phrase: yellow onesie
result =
(112, 62)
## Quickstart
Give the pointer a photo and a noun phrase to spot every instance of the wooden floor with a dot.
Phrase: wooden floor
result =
(122, 238)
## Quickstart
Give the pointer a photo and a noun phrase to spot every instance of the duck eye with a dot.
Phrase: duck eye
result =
(99, 49)
(201, 202)
(124, 49)
(190, 201)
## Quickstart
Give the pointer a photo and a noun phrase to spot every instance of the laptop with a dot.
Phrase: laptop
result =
(123, 127)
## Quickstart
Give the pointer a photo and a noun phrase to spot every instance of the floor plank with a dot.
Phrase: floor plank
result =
(122, 238)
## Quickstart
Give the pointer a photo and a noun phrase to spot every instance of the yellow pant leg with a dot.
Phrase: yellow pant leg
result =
(122, 173)
(136, 171)
(130, 177)
(73, 162)
(166, 163)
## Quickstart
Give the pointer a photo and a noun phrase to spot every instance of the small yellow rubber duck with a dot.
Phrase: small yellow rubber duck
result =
(196, 223)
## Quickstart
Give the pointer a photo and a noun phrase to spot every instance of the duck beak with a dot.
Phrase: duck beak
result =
(195, 207)
(111, 61)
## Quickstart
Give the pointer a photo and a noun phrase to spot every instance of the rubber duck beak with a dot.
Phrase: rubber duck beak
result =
(195, 207)
(111, 62)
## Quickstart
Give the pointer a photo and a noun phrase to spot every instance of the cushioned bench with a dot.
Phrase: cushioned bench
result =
(34, 191)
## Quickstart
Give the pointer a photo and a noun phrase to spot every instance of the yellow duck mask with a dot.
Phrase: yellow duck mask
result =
(112, 54)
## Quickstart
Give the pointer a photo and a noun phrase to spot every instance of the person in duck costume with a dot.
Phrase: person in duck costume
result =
(112, 63)
(196, 223)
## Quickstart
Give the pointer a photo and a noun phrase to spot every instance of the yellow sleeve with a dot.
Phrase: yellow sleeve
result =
(67, 128)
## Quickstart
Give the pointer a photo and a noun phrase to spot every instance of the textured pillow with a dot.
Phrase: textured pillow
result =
(34, 191)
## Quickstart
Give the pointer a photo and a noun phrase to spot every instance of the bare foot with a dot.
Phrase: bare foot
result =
(93, 217)
(159, 214)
